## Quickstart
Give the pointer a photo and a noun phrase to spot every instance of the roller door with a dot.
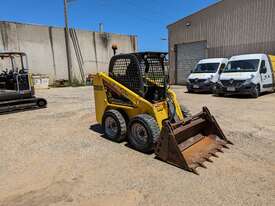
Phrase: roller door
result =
(187, 56)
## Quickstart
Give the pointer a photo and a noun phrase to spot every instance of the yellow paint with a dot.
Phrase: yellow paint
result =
(272, 58)
(140, 105)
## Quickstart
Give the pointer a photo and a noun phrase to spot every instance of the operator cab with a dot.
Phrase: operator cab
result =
(14, 79)
(143, 73)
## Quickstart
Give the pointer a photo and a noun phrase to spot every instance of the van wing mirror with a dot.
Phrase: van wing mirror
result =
(263, 70)
(222, 68)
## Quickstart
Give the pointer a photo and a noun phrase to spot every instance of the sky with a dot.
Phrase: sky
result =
(146, 19)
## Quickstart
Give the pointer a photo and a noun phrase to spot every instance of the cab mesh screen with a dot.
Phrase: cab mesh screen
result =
(152, 71)
(126, 72)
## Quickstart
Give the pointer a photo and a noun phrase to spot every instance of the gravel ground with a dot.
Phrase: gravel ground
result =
(56, 156)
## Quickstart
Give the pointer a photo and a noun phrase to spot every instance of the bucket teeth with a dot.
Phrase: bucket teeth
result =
(213, 154)
(225, 146)
(208, 159)
(195, 171)
(220, 150)
(229, 142)
(202, 165)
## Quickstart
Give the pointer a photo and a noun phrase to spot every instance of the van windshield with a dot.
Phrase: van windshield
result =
(206, 68)
(250, 65)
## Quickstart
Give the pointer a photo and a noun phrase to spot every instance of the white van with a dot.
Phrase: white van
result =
(205, 74)
(247, 74)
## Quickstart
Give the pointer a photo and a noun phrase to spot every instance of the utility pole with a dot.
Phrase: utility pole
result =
(67, 39)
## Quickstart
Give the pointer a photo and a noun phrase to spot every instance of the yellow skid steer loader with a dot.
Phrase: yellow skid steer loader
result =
(134, 102)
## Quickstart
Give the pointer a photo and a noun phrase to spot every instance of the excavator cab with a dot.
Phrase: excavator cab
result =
(134, 103)
(16, 89)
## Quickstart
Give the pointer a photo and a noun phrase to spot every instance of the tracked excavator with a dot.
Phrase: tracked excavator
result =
(16, 88)
(135, 103)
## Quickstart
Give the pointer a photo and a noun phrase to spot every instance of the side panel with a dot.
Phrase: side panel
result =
(272, 61)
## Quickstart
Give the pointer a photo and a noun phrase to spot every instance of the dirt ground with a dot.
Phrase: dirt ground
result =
(57, 157)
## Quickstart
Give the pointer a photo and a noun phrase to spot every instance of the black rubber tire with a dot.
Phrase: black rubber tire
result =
(190, 91)
(186, 112)
(218, 94)
(152, 129)
(256, 92)
(41, 103)
(120, 122)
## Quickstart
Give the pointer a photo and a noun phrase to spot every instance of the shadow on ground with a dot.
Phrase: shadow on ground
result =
(98, 129)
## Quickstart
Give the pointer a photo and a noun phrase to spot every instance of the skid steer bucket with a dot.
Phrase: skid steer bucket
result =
(189, 144)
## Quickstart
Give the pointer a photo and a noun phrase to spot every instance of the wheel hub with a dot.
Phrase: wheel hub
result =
(111, 127)
(139, 132)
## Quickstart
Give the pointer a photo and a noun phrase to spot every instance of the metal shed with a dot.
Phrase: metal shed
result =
(224, 29)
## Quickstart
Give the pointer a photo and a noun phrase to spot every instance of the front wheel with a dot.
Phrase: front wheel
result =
(189, 90)
(143, 133)
(256, 92)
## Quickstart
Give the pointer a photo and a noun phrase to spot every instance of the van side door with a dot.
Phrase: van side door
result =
(266, 75)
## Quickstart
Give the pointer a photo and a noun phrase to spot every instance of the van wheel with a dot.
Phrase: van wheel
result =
(190, 91)
(114, 126)
(256, 92)
(143, 133)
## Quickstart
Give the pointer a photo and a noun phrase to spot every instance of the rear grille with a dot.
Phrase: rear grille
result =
(230, 83)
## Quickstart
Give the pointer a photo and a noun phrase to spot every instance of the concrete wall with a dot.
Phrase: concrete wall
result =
(46, 49)
(229, 27)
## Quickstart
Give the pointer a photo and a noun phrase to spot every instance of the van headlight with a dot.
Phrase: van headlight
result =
(249, 81)
(209, 80)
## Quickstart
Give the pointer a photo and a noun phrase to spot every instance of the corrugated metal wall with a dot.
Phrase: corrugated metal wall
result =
(230, 27)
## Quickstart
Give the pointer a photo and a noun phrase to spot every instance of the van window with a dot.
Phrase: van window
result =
(263, 64)
(249, 65)
(222, 66)
(206, 68)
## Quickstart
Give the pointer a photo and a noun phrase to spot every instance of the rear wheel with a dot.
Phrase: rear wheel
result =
(143, 133)
(114, 125)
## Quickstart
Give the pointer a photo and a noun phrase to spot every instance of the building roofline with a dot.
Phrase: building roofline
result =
(195, 13)
(3, 53)
(59, 27)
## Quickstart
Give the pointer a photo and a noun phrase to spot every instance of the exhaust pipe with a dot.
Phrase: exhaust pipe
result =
(114, 47)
